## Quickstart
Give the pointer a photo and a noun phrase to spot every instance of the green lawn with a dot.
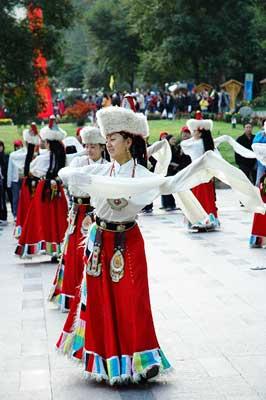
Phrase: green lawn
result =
(9, 133)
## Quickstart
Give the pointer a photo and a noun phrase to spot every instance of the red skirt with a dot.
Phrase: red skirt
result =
(69, 273)
(45, 225)
(258, 232)
(25, 199)
(120, 342)
(205, 193)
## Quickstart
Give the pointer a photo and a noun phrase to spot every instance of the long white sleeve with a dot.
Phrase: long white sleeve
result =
(162, 153)
(210, 165)
(260, 152)
(238, 148)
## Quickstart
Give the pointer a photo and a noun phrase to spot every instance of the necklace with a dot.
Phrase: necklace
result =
(112, 169)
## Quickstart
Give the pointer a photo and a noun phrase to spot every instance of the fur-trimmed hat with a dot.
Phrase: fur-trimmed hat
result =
(31, 135)
(52, 131)
(91, 135)
(72, 141)
(118, 119)
(195, 124)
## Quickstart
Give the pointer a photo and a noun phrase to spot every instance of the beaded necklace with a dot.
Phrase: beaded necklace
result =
(112, 169)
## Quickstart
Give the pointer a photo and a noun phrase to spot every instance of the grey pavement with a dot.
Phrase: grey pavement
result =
(208, 306)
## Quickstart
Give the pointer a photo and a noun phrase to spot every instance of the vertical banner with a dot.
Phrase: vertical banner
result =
(248, 87)
(112, 82)
(43, 90)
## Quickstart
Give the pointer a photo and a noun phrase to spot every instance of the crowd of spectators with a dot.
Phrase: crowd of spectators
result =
(166, 105)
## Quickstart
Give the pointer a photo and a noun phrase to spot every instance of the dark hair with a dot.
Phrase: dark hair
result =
(3, 145)
(138, 148)
(57, 158)
(71, 149)
(168, 137)
(208, 142)
(105, 154)
(29, 157)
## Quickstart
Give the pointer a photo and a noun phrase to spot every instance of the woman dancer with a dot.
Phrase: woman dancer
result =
(195, 147)
(46, 222)
(29, 182)
(258, 232)
(120, 342)
(70, 268)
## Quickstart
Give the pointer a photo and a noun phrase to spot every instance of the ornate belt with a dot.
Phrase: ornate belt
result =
(114, 226)
(117, 263)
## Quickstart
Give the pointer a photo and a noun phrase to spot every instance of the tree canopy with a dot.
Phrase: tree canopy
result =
(140, 43)
(17, 51)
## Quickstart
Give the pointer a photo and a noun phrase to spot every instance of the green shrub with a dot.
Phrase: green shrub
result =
(153, 116)
(6, 121)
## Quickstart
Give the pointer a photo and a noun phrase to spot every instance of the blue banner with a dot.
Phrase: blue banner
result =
(248, 87)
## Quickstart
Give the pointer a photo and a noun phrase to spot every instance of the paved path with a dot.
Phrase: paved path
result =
(208, 304)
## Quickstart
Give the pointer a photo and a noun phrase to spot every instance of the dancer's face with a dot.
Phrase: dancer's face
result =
(118, 147)
(172, 141)
(185, 135)
(94, 151)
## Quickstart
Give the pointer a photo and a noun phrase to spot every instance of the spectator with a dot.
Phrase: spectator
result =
(163, 135)
(204, 104)
(247, 165)
(15, 172)
(168, 201)
(3, 191)
(106, 102)
(224, 101)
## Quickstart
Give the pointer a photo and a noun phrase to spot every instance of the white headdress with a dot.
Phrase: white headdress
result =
(73, 141)
(91, 135)
(31, 135)
(195, 124)
(52, 131)
(118, 119)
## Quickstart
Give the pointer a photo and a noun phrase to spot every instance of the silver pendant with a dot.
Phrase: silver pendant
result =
(117, 204)
(117, 266)
(85, 225)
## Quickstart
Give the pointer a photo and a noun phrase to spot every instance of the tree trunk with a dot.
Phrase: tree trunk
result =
(131, 81)
(195, 63)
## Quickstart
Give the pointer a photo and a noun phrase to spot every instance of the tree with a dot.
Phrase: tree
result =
(76, 48)
(17, 46)
(114, 42)
(212, 41)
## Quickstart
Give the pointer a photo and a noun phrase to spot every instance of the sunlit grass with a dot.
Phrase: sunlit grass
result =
(9, 133)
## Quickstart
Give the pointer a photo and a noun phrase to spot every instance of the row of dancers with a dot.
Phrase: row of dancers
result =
(82, 208)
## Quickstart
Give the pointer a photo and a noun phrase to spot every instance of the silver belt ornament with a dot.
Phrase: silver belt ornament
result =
(117, 263)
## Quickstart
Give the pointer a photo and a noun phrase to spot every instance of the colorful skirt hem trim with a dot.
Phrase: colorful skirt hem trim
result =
(40, 248)
(116, 369)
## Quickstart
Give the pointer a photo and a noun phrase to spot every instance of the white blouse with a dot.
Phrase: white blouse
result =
(193, 148)
(39, 166)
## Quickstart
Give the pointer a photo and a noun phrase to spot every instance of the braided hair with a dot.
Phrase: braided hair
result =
(57, 158)
(208, 142)
(57, 161)
(29, 157)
